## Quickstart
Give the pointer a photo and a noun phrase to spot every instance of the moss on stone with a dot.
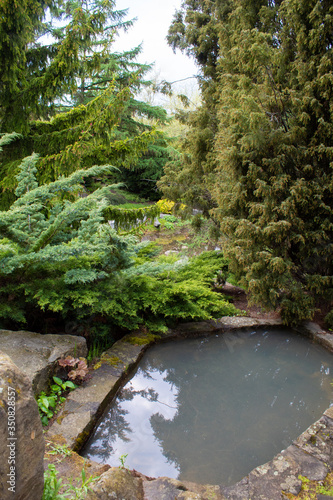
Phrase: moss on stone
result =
(109, 360)
(142, 340)
(310, 489)
(61, 417)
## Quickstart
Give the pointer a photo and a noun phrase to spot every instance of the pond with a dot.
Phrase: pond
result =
(210, 409)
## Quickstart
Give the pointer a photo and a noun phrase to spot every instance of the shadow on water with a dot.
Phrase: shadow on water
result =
(209, 410)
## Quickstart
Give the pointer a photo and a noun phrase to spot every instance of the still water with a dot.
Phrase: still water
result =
(211, 409)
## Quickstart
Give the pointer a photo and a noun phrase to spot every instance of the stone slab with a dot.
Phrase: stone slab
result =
(224, 324)
(36, 355)
(317, 440)
(316, 333)
(85, 405)
(117, 484)
(21, 436)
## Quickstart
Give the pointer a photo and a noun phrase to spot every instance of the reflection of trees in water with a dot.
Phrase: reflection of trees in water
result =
(224, 418)
(113, 425)
(190, 433)
(160, 425)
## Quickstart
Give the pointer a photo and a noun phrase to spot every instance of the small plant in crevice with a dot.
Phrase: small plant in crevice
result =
(47, 404)
(58, 449)
(53, 485)
(76, 368)
(122, 460)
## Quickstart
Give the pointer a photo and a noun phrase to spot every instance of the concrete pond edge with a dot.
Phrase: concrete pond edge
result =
(310, 455)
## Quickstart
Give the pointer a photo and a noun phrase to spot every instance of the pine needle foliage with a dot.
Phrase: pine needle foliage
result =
(259, 155)
(273, 183)
(75, 104)
(59, 255)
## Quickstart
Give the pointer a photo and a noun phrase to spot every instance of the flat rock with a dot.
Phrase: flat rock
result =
(316, 333)
(165, 488)
(281, 474)
(83, 406)
(317, 440)
(227, 323)
(36, 355)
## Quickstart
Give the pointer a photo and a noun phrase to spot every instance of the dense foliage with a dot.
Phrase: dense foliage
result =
(71, 99)
(269, 70)
(61, 259)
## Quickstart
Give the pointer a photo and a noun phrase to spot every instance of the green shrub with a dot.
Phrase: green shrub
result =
(58, 254)
(329, 320)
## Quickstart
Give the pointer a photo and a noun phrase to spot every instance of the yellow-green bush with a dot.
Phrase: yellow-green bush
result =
(166, 206)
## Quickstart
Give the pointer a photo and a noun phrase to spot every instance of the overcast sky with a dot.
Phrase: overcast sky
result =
(153, 20)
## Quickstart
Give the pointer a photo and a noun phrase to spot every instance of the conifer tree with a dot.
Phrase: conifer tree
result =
(94, 89)
(61, 259)
(270, 143)
(273, 184)
(195, 31)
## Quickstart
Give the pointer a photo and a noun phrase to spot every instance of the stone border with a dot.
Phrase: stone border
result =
(309, 455)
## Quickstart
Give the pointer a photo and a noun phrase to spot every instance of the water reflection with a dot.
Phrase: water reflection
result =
(209, 410)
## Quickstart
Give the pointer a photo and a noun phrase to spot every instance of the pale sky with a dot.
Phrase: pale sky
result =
(153, 20)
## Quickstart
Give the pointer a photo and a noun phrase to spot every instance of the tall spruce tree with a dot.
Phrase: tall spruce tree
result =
(94, 89)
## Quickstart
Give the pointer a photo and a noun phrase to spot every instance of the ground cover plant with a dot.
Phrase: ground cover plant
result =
(48, 403)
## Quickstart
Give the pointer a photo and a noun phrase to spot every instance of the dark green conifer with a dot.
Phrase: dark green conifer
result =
(79, 98)
(273, 184)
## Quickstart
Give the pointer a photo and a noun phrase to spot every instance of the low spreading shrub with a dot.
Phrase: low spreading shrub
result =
(59, 255)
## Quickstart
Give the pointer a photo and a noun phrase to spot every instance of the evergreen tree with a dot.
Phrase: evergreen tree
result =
(60, 259)
(264, 134)
(273, 184)
(195, 31)
(93, 88)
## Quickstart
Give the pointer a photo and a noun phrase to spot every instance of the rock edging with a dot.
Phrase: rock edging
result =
(309, 455)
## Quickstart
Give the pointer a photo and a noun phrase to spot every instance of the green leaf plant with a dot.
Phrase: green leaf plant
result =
(54, 486)
(47, 404)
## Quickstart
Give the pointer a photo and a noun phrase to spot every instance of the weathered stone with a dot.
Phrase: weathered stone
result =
(317, 440)
(204, 491)
(269, 480)
(282, 474)
(223, 325)
(36, 354)
(116, 484)
(238, 491)
(309, 466)
(164, 488)
(316, 333)
(21, 436)
(84, 405)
